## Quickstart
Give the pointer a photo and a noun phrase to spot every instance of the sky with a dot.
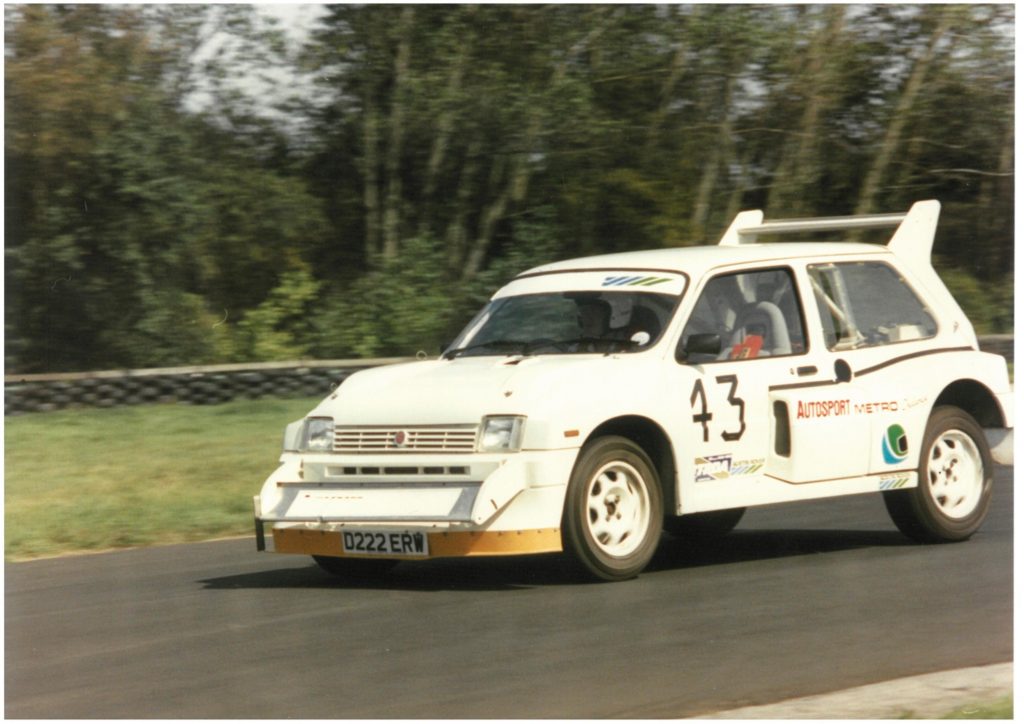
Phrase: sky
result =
(264, 83)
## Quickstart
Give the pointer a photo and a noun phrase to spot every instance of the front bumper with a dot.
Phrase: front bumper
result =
(319, 542)
(474, 504)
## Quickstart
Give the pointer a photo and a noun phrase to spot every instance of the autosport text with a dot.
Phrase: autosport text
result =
(842, 408)
(826, 408)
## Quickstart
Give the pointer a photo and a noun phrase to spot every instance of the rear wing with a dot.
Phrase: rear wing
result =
(912, 240)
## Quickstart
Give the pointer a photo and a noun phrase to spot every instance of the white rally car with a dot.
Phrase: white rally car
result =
(594, 403)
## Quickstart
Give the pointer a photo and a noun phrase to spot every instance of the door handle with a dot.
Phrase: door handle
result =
(808, 370)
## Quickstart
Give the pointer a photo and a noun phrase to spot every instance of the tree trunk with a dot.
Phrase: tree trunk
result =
(392, 210)
(995, 202)
(446, 121)
(371, 180)
(675, 72)
(800, 164)
(901, 115)
(519, 177)
(722, 147)
(457, 233)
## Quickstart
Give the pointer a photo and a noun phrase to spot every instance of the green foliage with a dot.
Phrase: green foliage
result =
(159, 211)
(136, 231)
(398, 309)
(282, 326)
(172, 326)
(988, 304)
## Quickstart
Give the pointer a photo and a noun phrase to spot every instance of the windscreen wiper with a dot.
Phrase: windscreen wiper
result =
(607, 345)
(520, 346)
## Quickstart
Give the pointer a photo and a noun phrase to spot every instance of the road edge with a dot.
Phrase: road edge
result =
(927, 696)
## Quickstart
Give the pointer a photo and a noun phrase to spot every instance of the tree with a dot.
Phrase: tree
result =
(173, 182)
(127, 207)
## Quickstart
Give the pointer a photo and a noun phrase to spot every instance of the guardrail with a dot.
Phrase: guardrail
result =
(214, 384)
(205, 385)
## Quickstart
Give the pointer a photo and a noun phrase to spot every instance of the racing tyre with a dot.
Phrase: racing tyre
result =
(355, 568)
(613, 510)
(703, 526)
(954, 486)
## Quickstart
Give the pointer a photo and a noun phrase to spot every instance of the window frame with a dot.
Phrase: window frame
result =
(901, 278)
(795, 283)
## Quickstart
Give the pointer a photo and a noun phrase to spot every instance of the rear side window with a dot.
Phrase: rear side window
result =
(866, 304)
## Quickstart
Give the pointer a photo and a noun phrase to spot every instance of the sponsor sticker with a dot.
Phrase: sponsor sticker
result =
(821, 409)
(723, 467)
(872, 408)
(633, 281)
(824, 408)
(893, 483)
(894, 445)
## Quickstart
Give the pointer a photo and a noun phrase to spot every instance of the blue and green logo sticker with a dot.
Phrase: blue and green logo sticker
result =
(893, 483)
(633, 281)
(894, 445)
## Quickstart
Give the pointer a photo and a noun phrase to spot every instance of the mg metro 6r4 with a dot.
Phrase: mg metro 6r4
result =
(594, 403)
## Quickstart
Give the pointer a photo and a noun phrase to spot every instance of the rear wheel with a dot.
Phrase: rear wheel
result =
(613, 509)
(954, 487)
(355, 567)
(703, 526)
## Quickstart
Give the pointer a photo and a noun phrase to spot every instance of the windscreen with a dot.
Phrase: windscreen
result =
(566, 322)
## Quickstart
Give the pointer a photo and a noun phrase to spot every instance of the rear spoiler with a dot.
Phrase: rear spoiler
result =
(912, 240)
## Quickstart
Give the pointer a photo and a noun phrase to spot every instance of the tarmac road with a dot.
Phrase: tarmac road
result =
(800, 600)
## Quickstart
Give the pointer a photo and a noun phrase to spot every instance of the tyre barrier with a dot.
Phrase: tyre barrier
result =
(215, 384)
(210, 385)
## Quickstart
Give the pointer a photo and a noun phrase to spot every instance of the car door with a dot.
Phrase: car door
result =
(870, 319)
(745, 335)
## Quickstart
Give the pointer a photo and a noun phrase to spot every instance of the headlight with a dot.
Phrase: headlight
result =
(501, 434)
(318, 435)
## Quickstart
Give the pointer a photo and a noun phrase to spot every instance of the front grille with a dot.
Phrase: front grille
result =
(388, 439)
(333, 471)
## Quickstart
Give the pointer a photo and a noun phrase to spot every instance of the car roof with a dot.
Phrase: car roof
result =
(695, 260)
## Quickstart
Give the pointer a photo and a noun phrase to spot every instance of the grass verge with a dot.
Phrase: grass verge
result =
(1001, 709)
(80, 480)
(998, 709)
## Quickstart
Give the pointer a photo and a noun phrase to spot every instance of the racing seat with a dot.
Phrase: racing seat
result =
(760, 331)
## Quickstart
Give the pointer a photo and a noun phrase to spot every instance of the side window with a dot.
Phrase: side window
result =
(746, 315)
(865, 304)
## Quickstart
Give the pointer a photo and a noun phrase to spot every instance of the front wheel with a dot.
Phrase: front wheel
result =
(613, 509)
(954, 487)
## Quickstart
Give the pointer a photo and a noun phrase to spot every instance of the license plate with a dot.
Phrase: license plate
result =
(385, 542)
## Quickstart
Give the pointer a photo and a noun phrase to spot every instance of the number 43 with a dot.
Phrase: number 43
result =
(704, 417)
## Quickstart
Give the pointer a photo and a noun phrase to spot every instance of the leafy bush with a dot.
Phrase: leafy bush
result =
(988, 304)
(282, 326)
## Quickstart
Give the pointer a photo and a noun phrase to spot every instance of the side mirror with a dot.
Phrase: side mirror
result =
(710, 344)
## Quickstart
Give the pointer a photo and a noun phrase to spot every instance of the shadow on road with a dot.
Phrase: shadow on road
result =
(454, 574)
(510, 573)
(752, 545)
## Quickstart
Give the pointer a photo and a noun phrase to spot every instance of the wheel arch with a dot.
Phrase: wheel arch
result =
(654, 441)
(975, 399)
